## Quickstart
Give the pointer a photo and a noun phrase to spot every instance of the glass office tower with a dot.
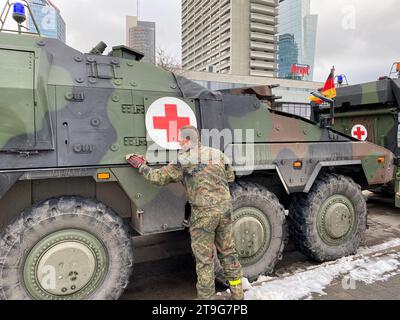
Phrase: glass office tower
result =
(297, 28)
(48, 18)
(141, 35)
(289, 55)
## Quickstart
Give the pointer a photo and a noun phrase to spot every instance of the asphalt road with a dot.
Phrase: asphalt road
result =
(165, 270)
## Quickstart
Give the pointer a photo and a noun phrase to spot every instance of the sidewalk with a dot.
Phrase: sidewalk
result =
(385, 290)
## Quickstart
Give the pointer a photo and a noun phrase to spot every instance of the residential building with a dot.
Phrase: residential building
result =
(230, 36)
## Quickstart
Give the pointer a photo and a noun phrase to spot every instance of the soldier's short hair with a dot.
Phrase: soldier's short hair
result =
(191, 133)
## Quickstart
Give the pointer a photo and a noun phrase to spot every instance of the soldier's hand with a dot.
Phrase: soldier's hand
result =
(135, 160)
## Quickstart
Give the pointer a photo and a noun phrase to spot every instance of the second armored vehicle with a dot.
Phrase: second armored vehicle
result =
(371, 112)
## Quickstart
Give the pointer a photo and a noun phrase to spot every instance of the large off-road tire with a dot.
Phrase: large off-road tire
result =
(65, 248)
(259, 228)
(330, 221)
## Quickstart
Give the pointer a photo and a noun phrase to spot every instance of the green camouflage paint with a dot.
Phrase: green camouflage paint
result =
(88, 111)
(67, 120)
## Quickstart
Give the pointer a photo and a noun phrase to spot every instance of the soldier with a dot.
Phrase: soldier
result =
(206, 174)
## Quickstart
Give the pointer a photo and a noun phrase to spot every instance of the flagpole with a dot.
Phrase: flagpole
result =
(332, 104)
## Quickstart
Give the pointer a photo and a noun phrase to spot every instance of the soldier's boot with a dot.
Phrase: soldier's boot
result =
(236, 290)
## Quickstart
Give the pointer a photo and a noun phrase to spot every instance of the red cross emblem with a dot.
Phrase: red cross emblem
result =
(165, 117)
(359, 132)
(171, 122)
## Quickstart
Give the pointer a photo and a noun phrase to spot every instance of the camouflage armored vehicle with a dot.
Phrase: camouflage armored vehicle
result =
(69, 203)
(371, 112)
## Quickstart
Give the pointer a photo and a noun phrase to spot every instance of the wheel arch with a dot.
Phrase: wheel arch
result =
(350, 168)
(25, 193)
(262, 175)
(270, 178)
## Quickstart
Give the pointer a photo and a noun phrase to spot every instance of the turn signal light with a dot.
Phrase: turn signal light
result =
(103, 176)
(297, 164)
(381, 160)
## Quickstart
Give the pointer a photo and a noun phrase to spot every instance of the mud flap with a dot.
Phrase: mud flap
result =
(7, 180)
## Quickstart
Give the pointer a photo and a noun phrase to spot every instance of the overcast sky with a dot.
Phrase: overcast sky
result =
(359, 37)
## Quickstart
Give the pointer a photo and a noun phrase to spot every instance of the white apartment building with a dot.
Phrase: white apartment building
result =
(230, 36)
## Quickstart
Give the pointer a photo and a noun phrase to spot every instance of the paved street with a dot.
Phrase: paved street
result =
(385, 290)
(165, 269)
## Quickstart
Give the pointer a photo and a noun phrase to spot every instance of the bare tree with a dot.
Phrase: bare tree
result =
(167, 62)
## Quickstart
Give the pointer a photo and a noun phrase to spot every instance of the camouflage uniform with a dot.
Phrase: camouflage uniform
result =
(205, 173)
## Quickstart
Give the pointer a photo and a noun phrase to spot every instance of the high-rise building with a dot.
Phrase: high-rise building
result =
(230, 36)
(299, 27)
(49, 19)
(141, 35)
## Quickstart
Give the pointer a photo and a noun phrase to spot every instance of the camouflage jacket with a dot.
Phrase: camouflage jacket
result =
(205, 173)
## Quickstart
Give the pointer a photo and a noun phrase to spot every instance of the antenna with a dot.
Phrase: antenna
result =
(138, 9)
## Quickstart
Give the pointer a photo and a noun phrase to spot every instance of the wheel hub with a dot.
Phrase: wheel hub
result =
(252, 234)
(71, 275)
(336, 219)
(68, 264)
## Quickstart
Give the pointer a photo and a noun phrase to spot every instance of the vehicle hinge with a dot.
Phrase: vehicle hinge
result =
(27, 154)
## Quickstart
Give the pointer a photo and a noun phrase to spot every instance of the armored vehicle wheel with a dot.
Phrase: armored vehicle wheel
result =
(329, 222)
(65, 248)
(259, 228)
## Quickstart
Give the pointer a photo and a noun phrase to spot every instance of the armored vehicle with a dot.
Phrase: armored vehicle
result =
(70, 204)
(371, 112)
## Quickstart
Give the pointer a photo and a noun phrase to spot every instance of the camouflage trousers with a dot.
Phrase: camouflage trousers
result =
(211, 228)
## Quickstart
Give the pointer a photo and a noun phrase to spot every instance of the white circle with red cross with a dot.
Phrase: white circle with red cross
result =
(359, 132)
(165, 117)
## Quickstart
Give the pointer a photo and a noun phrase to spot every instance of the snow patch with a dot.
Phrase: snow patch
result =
(376, 270)
(246, 284)
(380, 247)
(303, 284)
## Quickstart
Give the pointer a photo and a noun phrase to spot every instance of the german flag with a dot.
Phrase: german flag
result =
(328, 90)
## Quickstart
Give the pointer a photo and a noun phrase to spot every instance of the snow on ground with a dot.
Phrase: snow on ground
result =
(369, 265)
